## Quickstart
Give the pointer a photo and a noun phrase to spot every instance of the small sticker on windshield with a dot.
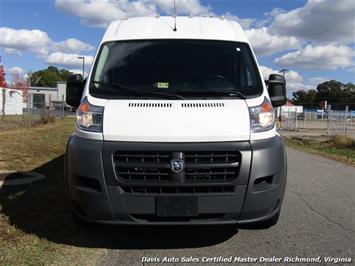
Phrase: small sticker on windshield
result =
(163, 85)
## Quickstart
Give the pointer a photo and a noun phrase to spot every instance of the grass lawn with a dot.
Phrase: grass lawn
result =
(8, 122)
(35, 224)
(330, 148)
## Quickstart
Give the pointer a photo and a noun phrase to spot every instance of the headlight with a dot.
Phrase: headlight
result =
(89, 117)
(262, 117)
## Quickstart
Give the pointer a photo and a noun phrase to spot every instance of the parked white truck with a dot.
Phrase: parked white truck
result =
(176, 126)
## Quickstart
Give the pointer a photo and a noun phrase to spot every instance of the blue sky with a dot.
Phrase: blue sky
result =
(314, 39)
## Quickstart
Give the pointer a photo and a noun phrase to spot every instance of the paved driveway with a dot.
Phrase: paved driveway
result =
(317, 219)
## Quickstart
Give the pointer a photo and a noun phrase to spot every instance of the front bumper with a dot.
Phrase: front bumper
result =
(97, 195)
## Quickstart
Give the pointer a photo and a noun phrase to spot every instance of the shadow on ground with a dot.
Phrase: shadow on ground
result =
(42, 209)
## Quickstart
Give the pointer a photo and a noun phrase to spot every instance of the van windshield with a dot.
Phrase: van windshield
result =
(175, 69)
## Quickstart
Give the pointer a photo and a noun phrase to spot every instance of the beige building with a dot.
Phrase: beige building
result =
(38, 97)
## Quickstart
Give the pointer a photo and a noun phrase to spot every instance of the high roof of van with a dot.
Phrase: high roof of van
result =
(204, 28)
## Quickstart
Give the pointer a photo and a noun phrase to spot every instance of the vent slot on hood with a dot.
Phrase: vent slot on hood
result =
(151, 105)
(202, 105)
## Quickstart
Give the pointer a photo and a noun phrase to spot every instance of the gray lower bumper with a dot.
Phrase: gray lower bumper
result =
(98, 196)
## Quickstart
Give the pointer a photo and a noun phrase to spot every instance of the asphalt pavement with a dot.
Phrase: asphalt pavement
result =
(317, 220)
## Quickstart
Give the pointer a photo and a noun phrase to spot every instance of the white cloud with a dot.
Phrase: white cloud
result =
(12, 51)
(318, 57)
(17, 41)
(68, 60)
(24, 40)
(94, 13)
(78, 71)
(318, 20)
(294, 81)
(72, 45)
(109, 10)
(245, 23)
(291, 76)
(274, 12)
(316, 80)
(265, 43)
(15, 70)
(296, 86)
(266, 71)
(185, 7)
(268, 17)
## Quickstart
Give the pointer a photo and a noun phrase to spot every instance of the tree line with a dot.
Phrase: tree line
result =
(48, 77)
(336, 93)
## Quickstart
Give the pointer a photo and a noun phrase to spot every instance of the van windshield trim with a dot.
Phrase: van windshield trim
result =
(188, 92)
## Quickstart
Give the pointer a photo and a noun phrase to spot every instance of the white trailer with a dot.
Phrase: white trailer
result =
(11, 101)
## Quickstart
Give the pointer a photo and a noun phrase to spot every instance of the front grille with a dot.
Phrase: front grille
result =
(211, 166)
(177, 190)
(142, 166)
(200, 166)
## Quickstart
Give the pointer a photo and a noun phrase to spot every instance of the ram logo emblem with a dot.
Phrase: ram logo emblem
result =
(177, 165)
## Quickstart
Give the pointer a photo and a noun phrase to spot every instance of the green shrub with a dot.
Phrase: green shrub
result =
(46, 117)
(342, 141)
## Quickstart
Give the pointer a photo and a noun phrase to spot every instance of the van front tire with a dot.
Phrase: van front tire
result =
(80, 222)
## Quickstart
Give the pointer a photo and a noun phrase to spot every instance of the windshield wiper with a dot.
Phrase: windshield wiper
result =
(221, 93)
(112, 87)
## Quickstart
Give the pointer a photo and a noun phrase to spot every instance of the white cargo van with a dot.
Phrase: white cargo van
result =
(176, 127)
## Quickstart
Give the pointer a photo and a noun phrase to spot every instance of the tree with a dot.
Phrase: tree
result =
(3, 84)
(305, 98)
(337, 94)
(22, 85)
(349, 90)
(48, 77)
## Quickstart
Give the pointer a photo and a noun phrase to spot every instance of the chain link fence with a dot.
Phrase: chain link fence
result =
(38, 109)
(331, 122)
(341, 123)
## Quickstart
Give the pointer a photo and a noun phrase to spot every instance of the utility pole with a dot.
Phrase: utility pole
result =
(283, 71)
(278, 109)
(82, 58)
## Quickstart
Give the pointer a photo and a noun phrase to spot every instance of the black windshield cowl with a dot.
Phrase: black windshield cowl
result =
(213, 93)
(119, 88)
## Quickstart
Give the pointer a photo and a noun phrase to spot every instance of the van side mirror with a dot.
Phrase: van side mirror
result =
(277, 90)
(74, 91)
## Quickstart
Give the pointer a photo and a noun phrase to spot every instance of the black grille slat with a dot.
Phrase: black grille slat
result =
(177, 190)
(146, 165)
(212, 157)
(210, 165)
(203, 169)
(143, 173)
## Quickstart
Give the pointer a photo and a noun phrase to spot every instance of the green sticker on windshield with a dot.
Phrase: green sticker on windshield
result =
(163, 85)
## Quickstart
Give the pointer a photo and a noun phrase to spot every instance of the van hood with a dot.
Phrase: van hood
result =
(176, 121)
